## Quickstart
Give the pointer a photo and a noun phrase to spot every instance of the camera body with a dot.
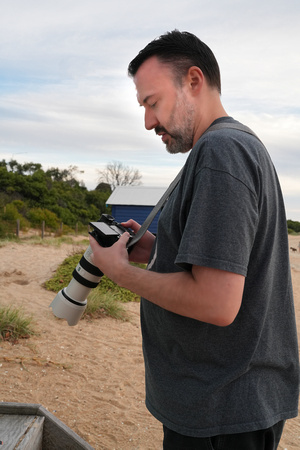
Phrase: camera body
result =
(70, 302)
(107, 231)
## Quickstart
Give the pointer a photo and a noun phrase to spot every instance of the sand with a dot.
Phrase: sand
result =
(90, 376)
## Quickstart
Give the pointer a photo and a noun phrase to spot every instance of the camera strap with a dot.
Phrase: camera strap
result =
(166, 195)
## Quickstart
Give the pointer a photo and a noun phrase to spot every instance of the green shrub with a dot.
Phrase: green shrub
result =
(293, 226)
(11, 212)
(100, 305)
(4, 229)
(37, 215)
(19, 204)
(9, 217)
(14, 324)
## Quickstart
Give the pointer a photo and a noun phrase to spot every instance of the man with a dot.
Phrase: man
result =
(217, 314)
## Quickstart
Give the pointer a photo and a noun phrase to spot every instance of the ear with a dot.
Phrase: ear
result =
(195, 79)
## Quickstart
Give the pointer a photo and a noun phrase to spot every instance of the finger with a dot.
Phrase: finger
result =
(93, 243)
(131, 224)
(124, 238)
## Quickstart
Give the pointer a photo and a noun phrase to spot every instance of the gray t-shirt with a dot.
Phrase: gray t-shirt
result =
(226, 213)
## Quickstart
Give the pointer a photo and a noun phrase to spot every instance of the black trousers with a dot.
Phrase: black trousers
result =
(255, 440)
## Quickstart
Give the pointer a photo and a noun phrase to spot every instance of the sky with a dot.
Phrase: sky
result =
(66, 99)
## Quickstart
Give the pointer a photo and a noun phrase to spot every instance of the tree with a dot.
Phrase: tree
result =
(102, 187)
(117, 174)
(66, 175)
(22, 169)
(293, 226)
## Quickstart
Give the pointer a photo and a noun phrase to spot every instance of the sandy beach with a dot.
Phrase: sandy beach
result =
(90, 376)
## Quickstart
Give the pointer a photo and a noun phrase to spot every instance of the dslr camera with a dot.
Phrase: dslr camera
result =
(71, 301)
(107, 231)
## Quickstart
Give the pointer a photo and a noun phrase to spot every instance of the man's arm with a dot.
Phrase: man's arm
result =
(206, 294)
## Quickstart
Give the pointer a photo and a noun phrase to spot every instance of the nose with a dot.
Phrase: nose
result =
(150, 119)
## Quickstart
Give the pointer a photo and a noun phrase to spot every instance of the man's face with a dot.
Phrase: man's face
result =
(167, 108)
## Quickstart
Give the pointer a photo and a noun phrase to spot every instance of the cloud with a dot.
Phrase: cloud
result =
(65, 97)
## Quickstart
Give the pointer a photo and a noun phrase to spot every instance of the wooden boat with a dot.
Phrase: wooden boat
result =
(26, 426)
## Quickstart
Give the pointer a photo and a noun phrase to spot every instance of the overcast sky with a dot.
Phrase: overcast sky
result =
(65, 98)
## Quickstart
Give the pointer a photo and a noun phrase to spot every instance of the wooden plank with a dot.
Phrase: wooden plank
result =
(24, 432)
(33, 439)
(12, 428)
(19, 408)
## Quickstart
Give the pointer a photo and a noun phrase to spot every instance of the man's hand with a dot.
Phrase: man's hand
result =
(111, 260)
(142, 249)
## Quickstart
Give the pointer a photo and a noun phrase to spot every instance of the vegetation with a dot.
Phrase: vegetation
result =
(15, 325)
(32, 196)
(104, 305)
(293, 227)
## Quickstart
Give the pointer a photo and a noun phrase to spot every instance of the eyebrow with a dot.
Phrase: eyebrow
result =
(146, 99)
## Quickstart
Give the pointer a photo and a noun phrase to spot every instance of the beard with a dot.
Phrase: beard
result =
(180, 130)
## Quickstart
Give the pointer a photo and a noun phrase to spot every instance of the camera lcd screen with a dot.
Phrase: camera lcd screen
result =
(104, 228)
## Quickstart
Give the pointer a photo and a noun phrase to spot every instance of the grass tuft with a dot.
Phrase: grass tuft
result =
(104, 305)
(15, 324)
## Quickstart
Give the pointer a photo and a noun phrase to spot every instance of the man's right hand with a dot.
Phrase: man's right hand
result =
(142, 249)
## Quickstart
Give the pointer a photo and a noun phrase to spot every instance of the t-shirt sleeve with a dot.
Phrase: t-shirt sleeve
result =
(221, 224)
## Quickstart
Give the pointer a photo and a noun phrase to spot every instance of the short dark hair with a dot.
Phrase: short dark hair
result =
(181, 50)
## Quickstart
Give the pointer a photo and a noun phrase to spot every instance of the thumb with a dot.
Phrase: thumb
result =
(124, 238)
(93, 242)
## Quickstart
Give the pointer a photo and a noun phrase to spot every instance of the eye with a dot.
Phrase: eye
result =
(153, 105)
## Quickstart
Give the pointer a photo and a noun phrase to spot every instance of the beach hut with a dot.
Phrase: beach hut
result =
(135, 202)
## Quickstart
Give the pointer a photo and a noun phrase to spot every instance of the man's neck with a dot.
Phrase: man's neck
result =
(206, 121)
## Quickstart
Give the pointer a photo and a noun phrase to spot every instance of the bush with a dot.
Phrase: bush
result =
(9, 217)
(14, 324)
(37, 215)
(21, 207)
(100, 305)
(293, 226)
(11, 212)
